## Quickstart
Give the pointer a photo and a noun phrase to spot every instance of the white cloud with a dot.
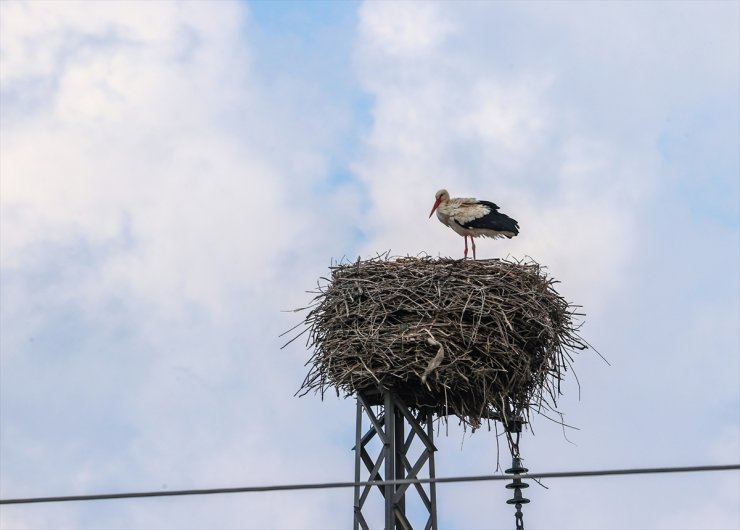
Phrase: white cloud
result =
(165, 137)
(509, 120)
(155, 190)
(405, 30)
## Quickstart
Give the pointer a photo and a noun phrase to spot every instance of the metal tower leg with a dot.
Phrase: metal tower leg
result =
(390, 427)
(389, 454)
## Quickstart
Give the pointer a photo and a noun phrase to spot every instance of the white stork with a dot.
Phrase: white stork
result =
(474, 218)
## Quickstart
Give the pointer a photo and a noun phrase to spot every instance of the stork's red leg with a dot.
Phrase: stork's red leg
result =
(472, 240)
(466, 246)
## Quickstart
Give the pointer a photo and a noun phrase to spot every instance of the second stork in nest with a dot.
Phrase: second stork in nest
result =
(473, 218)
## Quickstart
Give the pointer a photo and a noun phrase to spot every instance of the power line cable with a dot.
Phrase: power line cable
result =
(328, 485)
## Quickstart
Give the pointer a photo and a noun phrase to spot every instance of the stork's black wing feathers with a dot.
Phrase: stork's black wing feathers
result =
(491, 205)
(493, 220)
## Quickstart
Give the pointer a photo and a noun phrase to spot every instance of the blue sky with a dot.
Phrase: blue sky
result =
(175, 175)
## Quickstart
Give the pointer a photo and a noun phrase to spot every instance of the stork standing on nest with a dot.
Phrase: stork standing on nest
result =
(473, 218)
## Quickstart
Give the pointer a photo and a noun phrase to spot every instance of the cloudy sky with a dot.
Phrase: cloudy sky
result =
(173, 176)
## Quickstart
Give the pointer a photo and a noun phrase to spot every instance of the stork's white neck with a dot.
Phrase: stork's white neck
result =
(443, 217)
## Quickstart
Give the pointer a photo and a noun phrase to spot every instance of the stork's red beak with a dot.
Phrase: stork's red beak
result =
(436, 205)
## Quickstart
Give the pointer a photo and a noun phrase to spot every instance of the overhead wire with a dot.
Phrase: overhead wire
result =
(329, 485)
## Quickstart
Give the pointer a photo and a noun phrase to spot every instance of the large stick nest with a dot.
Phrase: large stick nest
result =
(475, 339)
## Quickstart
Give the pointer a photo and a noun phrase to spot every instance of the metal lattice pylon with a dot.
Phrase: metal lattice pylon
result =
(398, 429)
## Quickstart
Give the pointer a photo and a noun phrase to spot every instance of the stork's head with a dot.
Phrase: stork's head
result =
(440, 196)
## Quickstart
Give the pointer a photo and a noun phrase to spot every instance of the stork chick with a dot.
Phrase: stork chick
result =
(473, 218)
